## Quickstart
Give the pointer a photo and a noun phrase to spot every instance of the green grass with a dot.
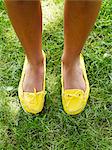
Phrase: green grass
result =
(53, 129)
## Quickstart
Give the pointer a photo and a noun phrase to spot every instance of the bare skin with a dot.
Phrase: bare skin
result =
(26, 18)
(79, 18)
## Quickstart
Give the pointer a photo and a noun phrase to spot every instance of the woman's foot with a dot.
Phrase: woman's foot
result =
(34, 77)
(72, 74)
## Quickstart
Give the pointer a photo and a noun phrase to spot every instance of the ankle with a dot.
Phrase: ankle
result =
(37, 65)
(37, 61)
(70, 60)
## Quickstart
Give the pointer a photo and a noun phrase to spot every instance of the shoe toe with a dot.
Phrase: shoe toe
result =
(73, 101)
(33, 102)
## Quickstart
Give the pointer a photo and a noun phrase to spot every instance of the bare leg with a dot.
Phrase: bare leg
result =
(26, 18)
(79, 17)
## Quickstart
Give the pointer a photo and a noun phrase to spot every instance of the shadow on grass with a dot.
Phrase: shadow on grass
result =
(52, 128)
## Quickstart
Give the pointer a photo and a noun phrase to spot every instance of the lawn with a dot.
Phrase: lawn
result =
(53, 129)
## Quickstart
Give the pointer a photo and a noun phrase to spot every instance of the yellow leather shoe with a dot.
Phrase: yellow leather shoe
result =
(32, 102)
(74, 100)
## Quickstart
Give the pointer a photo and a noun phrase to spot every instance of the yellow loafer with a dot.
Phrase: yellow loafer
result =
(74, 100)
(32, 102)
